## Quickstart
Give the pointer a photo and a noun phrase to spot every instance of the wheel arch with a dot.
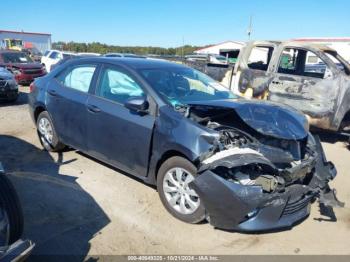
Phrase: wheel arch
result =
(38, 109)
(168, 154)
(156, 163)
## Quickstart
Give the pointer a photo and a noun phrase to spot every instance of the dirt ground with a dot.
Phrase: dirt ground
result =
(76, 205)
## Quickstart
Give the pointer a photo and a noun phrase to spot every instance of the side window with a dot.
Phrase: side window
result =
(339, 61)
(301, 62)
(78, 78)
(53, 55)
(118, 86)
(260, 57)
(314, 66)
(288, 61)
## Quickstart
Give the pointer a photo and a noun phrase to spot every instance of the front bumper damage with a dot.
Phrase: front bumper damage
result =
(250, 208)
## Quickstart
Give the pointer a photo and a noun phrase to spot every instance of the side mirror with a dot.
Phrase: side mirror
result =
(138, 104)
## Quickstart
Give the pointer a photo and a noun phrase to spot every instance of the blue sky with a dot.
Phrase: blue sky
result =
(166, 22)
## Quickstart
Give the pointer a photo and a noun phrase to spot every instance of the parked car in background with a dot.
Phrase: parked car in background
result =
(123, 55)
(21, 66)
(218, 59)
(240, 164)
(52, 57)
(67, 58)
(88, 54)
(8, 86)
(33, 53)
(208, 58)
(195, 57)
(314, 79)
(12, 247)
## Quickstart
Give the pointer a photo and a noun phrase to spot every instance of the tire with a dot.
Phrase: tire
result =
(166, 181)
(10, 204)
(51, 142)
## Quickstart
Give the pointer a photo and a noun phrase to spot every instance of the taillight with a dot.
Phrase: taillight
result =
(32, 87)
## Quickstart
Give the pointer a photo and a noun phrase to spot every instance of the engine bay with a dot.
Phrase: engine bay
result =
(286, 161)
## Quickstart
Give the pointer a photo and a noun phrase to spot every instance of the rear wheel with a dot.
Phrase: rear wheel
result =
(47, 134)
(173, 179)
(11, 216)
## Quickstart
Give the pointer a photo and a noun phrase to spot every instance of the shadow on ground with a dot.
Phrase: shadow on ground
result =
(60, 217)
(333, 138)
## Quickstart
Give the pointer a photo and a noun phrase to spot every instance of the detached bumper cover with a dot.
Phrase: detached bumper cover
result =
(229, 204)
(233, 206)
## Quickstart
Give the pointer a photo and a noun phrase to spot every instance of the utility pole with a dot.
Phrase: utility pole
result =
(250, 28)
(183, 45)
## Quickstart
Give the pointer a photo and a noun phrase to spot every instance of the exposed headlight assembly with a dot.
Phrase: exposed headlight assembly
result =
(267, 182)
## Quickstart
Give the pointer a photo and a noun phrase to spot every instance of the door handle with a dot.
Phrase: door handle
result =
(52, 92)
(93, 109)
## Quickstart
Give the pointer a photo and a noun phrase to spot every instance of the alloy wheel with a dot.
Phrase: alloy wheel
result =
(46, 131)
(177, 192)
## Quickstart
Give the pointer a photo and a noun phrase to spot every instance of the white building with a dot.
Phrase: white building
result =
(215, 49)
(229, 48)
(39, 40)
(341, 45)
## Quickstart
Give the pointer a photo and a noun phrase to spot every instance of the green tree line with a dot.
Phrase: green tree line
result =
(97, 47)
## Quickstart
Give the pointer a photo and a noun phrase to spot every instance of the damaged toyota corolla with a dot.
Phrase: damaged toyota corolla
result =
(242, 165)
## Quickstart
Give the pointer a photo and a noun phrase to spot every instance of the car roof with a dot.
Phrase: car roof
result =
(135, 63)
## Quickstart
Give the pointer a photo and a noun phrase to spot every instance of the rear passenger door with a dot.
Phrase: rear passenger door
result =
(67, 95)
(117, 135)
(303, 80)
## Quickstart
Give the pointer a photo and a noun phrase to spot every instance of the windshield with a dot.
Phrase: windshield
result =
(181, 86)
(16, 58)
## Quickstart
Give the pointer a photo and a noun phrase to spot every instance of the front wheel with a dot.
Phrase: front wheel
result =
(173, 179)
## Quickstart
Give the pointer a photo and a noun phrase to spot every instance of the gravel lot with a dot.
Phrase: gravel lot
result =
(76, 205)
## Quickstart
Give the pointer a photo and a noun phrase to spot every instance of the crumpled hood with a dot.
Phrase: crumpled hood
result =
(265, 117)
